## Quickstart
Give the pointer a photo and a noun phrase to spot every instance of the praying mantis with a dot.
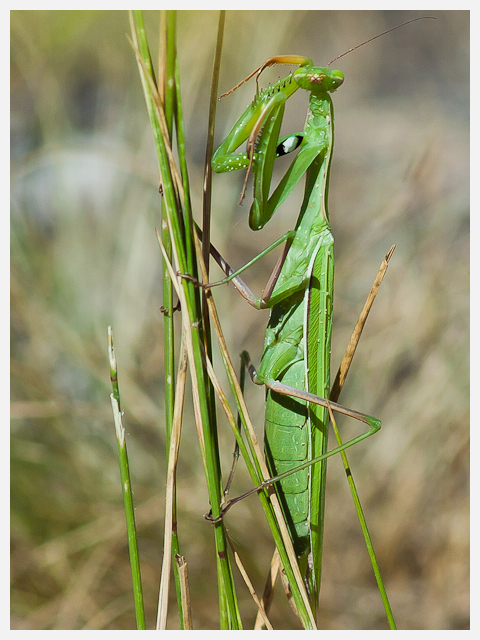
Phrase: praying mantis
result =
(295, 365)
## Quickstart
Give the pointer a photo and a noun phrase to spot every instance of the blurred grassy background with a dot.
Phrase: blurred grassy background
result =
(84, 254)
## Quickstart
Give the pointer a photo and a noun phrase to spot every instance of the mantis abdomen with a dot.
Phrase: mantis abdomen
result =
(297, 349)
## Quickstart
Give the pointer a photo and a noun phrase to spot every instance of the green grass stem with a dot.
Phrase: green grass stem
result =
(126, 487)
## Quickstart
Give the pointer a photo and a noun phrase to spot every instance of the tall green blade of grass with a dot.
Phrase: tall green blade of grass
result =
(166, 69)
(126, 487)
(178, 219)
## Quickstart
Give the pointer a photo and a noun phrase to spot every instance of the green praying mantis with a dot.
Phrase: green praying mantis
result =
(295, 365)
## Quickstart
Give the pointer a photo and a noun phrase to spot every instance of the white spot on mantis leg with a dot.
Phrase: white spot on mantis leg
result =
(289, 145)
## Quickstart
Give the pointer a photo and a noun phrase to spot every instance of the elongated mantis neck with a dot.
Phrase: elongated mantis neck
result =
(319, 126)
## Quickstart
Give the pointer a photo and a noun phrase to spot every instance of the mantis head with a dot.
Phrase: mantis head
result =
(314, 78)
